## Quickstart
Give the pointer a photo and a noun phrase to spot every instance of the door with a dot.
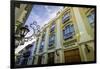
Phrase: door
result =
(72, 56)
(51, 58)
(39, 59)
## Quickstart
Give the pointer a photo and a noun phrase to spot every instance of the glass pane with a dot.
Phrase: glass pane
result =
(71, 28)
(91, 18)
(67, 32)
(66, 17)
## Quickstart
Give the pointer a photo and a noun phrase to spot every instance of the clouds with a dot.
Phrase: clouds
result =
(42, 14)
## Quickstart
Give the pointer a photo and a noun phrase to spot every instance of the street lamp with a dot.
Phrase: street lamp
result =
(86, 46)
(36, 31)
(24, 31)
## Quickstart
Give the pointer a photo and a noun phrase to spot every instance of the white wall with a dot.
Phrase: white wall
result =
(5, 34)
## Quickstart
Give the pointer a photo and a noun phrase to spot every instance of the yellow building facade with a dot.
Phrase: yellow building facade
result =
(68, 38)
(77, 45)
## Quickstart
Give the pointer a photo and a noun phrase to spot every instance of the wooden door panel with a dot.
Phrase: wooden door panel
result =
(72, 56)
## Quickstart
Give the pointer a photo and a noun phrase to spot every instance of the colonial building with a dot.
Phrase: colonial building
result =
(68, 38)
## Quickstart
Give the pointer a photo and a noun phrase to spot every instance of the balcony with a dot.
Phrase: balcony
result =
(51, 42)
(68, 32)
(41, 48)
(91, 18)
(52, 28)
(69, 42)
(65, 18)
(68, 35)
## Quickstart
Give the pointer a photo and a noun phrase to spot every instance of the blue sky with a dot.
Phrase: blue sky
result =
(42, 14)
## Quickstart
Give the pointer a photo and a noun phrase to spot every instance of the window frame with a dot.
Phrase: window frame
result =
(90, 17)
(70, 31)
(64, 18)
(52, 28)
(41, 49)
(51, 42)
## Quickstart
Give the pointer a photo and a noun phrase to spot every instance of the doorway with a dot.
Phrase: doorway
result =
(72, 56)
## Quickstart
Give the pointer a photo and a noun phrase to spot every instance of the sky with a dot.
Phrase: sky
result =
(42, 14)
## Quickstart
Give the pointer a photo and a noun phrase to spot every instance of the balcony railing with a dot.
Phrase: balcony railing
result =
(68, 35)
(51, 43)
(52, 28)
(65, 18)
(41, 48)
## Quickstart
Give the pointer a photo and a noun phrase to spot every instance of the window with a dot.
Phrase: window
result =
(35, 49)
(52, 27)
(65, 18)
(51, 39)
(52, 35)
(43, 36)
(36, 46)
(68, 31)
(42, 42)
(41, 46)
(91, 18)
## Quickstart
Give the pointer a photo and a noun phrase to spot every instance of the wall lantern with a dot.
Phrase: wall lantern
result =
(24, 31)
(86, 46)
